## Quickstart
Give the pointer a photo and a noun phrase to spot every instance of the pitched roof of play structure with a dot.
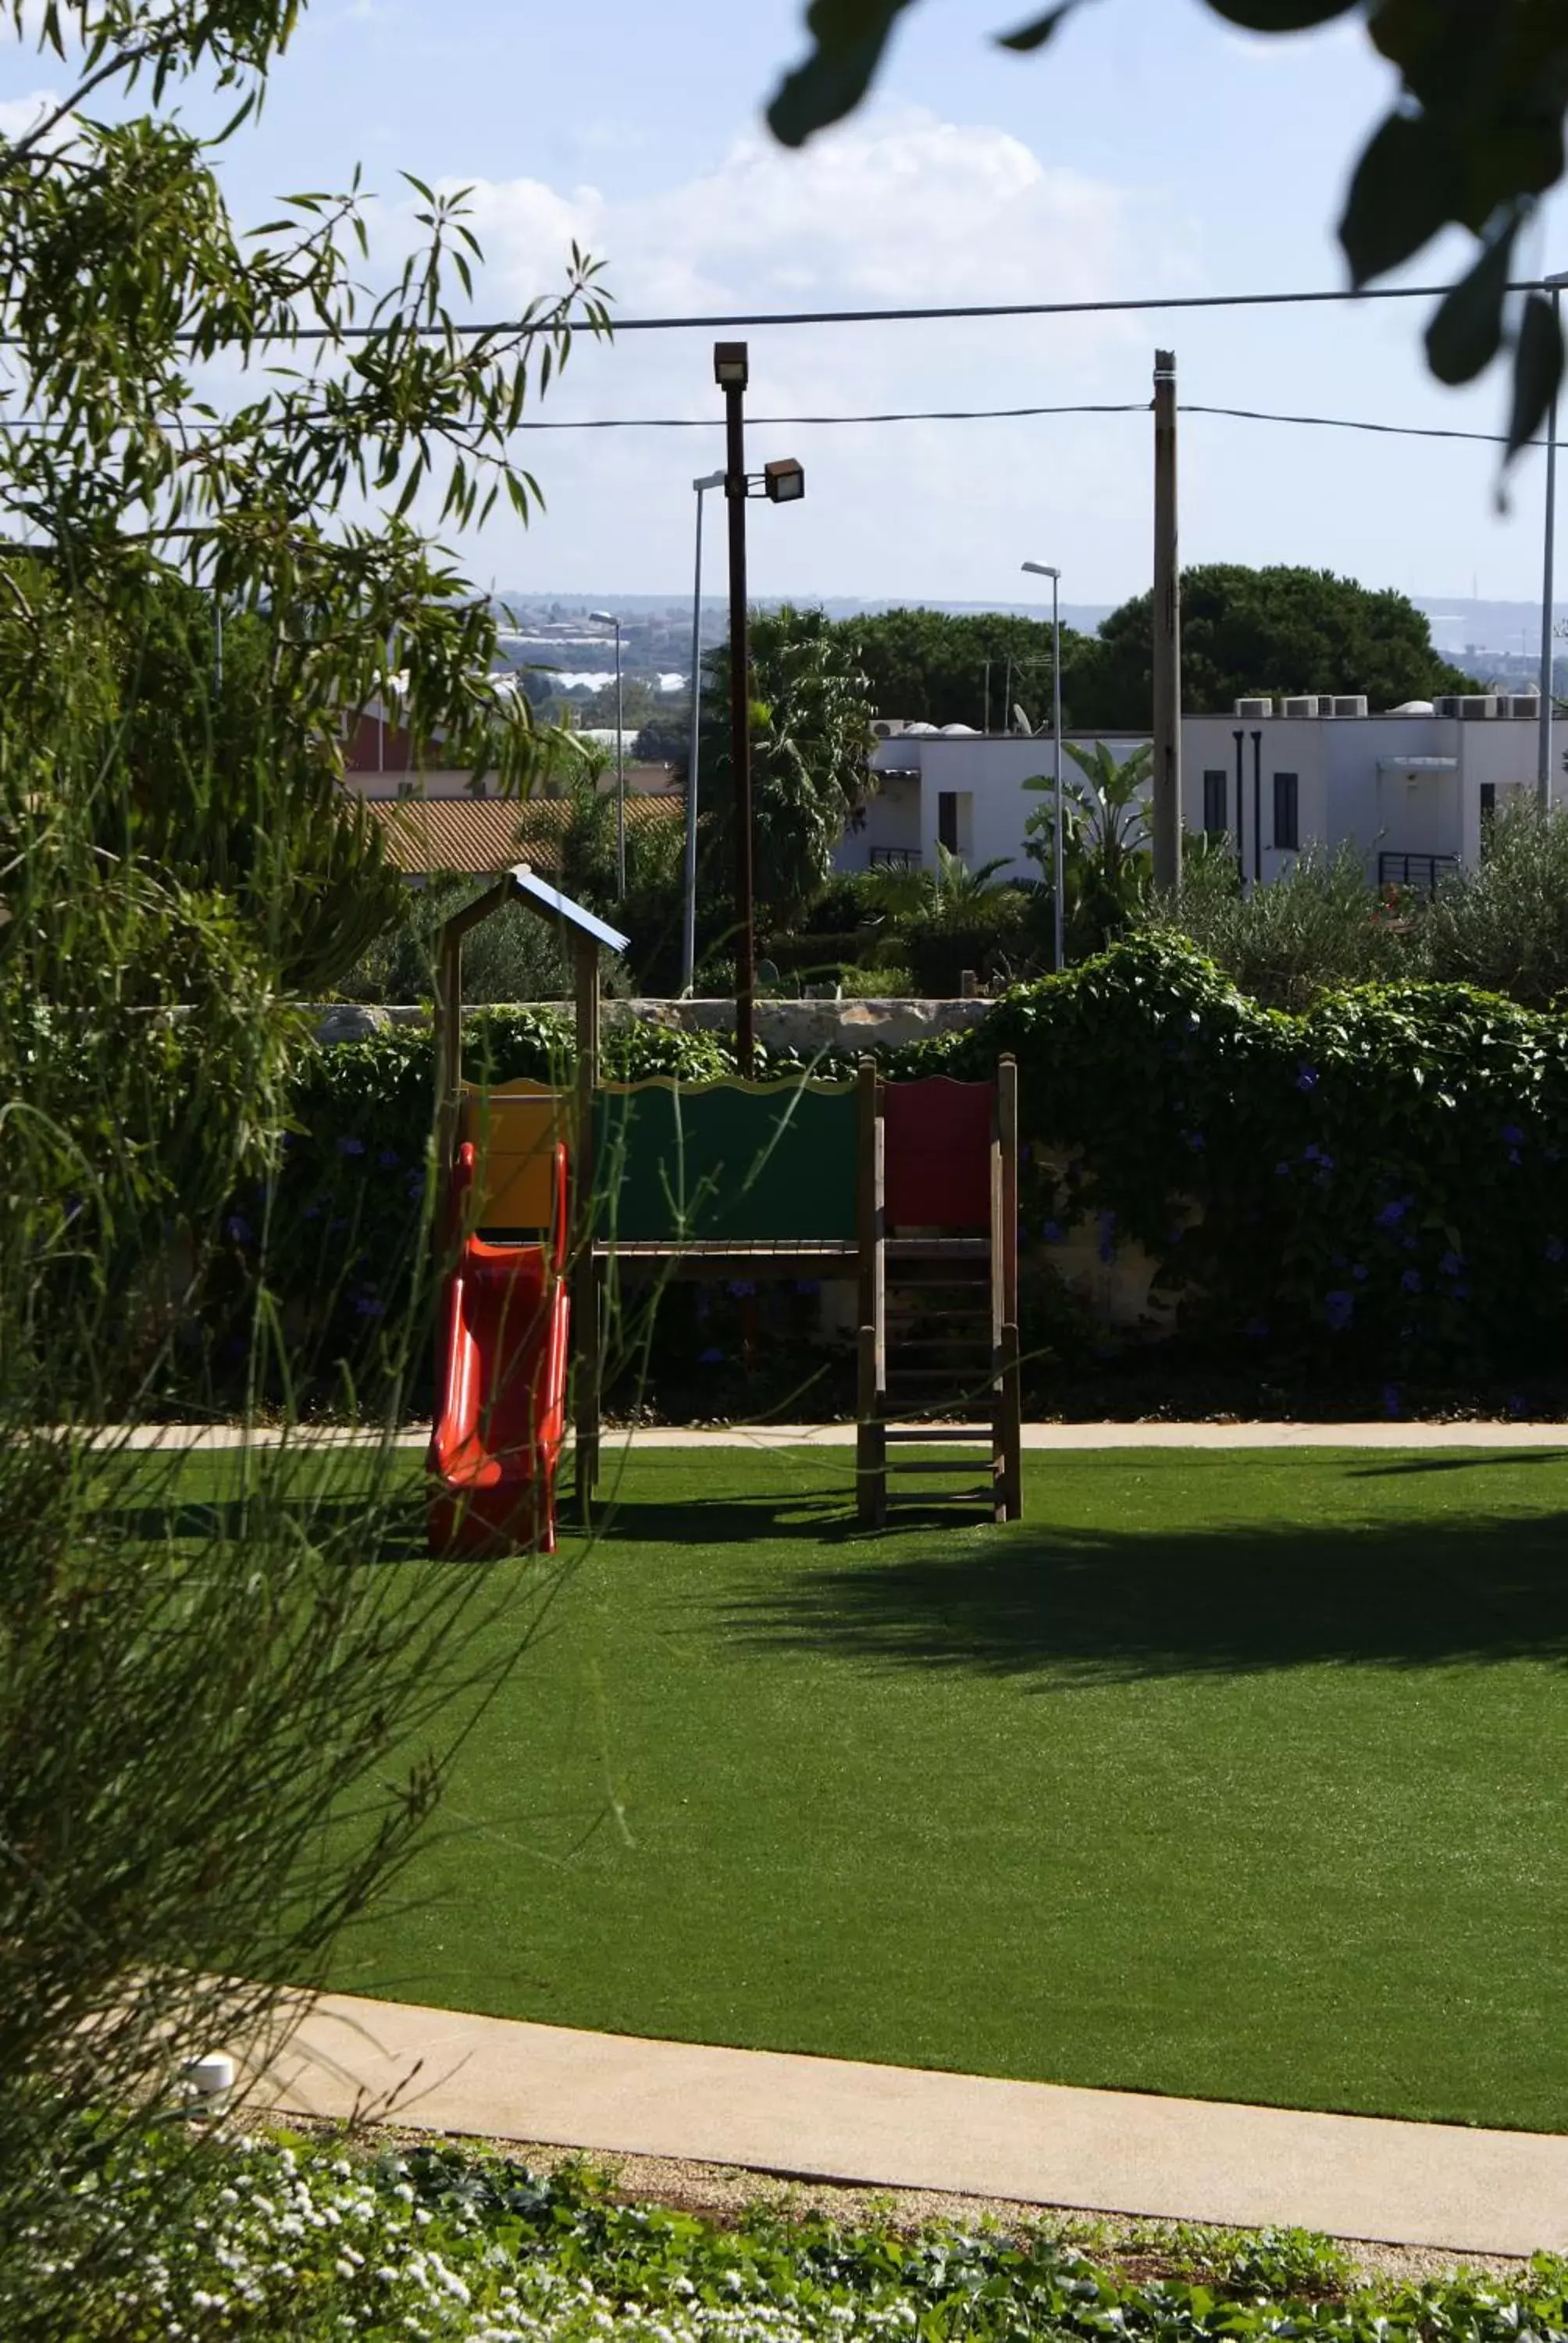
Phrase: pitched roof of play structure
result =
(572, 914)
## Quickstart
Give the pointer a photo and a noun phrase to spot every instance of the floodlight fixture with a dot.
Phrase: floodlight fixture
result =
(731, 366)
(784, 480)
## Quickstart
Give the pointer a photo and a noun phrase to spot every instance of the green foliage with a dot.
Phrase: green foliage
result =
(1275, 629)
(811, 736)
(929, 666)
(1474, 141)
(1318, 929)
(1503, 925)
(1378, 1181)
(316, 2239)
(1107, 858)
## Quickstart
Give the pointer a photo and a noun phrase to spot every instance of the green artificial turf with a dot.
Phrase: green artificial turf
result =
(1225, 1775)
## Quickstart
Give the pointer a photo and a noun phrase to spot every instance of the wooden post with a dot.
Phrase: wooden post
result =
(1167, 614)
(586, 1338)
(870, 1429)
(1007, 1426)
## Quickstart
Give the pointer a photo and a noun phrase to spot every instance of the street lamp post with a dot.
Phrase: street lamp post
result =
(782, 482)
(1057, 858)
(1543, 762)
(688, 928)
(606, 618)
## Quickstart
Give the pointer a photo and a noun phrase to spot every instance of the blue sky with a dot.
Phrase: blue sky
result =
(1148, 150)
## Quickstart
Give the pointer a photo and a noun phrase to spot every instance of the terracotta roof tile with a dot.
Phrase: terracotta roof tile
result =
(475, 836)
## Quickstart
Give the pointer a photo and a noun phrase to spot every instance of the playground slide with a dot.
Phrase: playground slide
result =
(500, 1400)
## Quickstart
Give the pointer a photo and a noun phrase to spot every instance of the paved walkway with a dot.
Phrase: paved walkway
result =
(1052, 1436)
(1353, 2177)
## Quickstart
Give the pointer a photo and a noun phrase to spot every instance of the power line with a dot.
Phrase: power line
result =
(945, 415)
(954, 312)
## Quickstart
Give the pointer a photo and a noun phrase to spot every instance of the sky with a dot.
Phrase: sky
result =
(1149, 150)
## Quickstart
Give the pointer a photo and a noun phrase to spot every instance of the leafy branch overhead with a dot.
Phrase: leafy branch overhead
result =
(1474, 141)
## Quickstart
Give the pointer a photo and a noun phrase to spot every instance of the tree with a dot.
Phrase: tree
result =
(810, 738)
(1107, 863)
(294, 510)
(1474, 140)
(1278, 629)
(930, 666)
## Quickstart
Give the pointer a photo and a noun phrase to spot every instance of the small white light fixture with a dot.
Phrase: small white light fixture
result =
(731, 365)
(784, 480)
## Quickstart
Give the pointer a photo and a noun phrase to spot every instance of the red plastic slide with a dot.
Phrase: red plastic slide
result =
(500, 1415)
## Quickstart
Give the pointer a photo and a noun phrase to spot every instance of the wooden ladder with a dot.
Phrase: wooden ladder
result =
(939, 1334)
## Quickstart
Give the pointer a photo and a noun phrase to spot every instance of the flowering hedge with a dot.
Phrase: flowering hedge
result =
(1376, 1187)
(1377, 1184)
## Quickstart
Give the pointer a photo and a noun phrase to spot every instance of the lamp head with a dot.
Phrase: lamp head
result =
(1041, 570)
(731, 366)
(604, 618)
(784, 480)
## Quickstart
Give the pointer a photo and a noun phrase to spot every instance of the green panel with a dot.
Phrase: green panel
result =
(772, 1163)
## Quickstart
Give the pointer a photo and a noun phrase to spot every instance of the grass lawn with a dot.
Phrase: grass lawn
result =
(1236, 1777)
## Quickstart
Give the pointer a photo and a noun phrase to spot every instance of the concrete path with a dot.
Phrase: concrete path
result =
(1050, 1436)
(1353, 2177)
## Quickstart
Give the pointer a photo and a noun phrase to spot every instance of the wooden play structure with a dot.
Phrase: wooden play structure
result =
(908, 1189)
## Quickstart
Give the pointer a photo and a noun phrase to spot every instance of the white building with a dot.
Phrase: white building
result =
(1412, 788)
(962, 788)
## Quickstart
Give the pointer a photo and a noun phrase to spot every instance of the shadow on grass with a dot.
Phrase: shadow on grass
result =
(1081, 1607)
(346, 1524)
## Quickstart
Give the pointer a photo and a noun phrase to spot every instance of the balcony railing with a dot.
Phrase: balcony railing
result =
(895, 858)
(1421, 872)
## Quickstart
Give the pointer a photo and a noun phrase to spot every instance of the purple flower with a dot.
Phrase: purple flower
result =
(1391, 1214)
(1411, 1281)
(1195, 1140)
(1107, 1223)
(1390, 1399)
(414, 1184)
(1281, 1170)
(1512, 1135)
(1339, 1309)
(1516, 1404)
(1051, 1232)
(1358, 1272)
(1515, 1156)
(1553, 1247)
(1452, 1264)
(1307, 1080)
(367, 1306)
(388, 1159)
(1312, 1152)
(351, 1147)
(710, 1358)
(1460, 1293)
(238, 1227)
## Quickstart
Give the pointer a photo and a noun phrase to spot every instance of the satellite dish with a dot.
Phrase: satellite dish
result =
(765, 973)
(1020, 722)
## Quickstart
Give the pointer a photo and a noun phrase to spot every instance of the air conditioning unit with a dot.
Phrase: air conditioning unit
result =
(1300, 703)
(1474, 706)
(1520, 704)
(1254, 708)
(1348, 703)
(1446, 704)
(887, 727)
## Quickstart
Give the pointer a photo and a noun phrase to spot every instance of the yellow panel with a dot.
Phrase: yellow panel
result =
(514, 1128)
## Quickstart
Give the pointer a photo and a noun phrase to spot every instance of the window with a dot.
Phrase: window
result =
(1214, 803)
(947, 819)
(1287, 812)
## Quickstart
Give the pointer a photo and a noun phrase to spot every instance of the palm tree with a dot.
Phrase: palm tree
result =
(1107, 862)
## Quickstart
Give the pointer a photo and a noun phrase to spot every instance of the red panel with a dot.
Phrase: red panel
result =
(937, 1159)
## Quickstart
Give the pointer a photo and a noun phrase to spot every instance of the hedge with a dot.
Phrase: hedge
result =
(1374, 1187)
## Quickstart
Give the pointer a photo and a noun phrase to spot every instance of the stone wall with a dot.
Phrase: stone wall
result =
(805, 1026)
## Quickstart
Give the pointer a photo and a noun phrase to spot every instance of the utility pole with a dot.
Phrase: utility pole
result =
(1544, 757)
(731, 369)
(1167, 614)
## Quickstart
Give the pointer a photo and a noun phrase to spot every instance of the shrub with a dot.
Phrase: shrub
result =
(1315, 931)
(1503, 925)
(1379, 1182)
